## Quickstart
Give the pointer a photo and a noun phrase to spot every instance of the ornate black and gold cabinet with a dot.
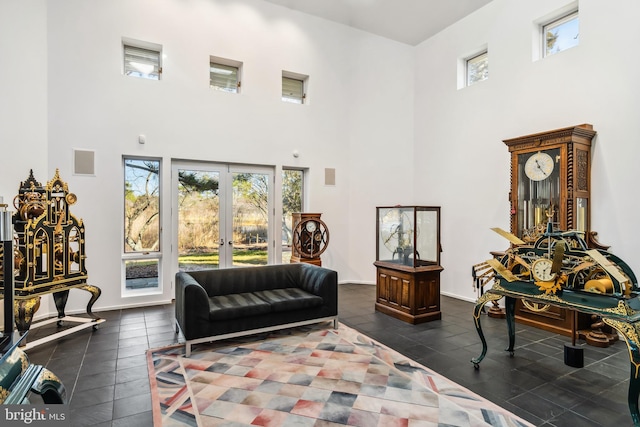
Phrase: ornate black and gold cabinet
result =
(550, 179)
(49, 256)
(408, 263)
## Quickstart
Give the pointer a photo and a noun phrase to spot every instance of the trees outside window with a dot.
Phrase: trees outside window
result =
(141, 223)
(561, 34)
(478, 68)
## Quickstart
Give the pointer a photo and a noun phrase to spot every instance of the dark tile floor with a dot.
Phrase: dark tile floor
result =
(107, 384)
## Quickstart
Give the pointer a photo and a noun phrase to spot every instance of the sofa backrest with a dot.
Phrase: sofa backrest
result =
(248, 279)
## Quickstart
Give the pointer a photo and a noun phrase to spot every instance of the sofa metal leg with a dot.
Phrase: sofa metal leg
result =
(187, 349)
(335, 323)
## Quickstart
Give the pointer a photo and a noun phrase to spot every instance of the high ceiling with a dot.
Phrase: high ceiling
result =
(407, 21)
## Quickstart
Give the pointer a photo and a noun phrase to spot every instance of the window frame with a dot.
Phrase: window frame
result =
(142, 47)
(304, 81)
(145, 254)
(558, 21)
(468, 61)
(230, 63)
(303, 178)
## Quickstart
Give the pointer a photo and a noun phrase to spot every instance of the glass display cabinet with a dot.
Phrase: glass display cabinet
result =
(408, 262)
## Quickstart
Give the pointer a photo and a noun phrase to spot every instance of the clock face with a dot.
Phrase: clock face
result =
(311, 226)
(539, 166)
(541, 270)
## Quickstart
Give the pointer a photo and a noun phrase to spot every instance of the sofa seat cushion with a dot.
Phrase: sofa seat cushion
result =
(233, 306)
(287, 299)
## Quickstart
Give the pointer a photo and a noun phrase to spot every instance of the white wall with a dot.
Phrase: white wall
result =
(348, 124)
(380, 147)
(460, 160)
(23, 91)
(388, 117)
(23, 95)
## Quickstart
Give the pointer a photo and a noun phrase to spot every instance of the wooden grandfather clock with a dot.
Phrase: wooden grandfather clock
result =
(310, 238)
(550, 180)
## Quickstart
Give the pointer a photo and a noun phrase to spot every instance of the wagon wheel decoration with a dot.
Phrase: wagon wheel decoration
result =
(310, 238)
(536, 307)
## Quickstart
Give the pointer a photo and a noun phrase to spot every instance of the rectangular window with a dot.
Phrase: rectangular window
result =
(293, 87)
(142, 61)
(142, 256)
(561, 34)
(477, 68)
(224, 74)
(292, 201)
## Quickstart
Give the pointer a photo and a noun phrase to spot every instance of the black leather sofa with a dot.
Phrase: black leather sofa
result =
(225, 303)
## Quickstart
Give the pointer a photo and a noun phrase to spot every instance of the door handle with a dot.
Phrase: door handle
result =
(230, 242)
(221, 242)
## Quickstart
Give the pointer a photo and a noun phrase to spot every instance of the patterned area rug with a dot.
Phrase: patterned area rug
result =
(309, 376)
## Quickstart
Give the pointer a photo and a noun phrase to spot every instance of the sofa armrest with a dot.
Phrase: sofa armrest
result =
(322, 282)
(192, 305)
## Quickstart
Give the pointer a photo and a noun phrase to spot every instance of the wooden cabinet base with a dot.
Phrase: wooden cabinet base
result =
(409, 318)
(555, 319)
(409, 294)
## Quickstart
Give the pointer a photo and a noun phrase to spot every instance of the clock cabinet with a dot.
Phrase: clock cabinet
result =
(550, 182)
(310, 238)
(408, 262)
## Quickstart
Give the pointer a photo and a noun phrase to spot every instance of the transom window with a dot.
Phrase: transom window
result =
(561, 34)
(477, 68)
(142, 62)
(293, 87)
(224, 74)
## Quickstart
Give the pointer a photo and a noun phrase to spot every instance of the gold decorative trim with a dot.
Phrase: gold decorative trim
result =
(47, 375)
(630, 334)
(622, 309)
(484, 298)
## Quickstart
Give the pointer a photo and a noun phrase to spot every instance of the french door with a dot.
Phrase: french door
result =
(222, 215)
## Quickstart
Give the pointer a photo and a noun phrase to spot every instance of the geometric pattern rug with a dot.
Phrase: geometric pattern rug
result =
(309, 376)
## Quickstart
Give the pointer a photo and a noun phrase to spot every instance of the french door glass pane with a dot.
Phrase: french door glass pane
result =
(198, 219)
(250, 212)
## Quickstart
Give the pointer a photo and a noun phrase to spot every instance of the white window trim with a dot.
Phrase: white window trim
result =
(229, 63)
(466, 71)
(154, 47)
(142, 255)
(538, 35)
(305, 84)
(462, 64)
(555, 23)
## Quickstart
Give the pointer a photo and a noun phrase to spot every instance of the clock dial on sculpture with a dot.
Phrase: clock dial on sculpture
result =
(541, 270)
